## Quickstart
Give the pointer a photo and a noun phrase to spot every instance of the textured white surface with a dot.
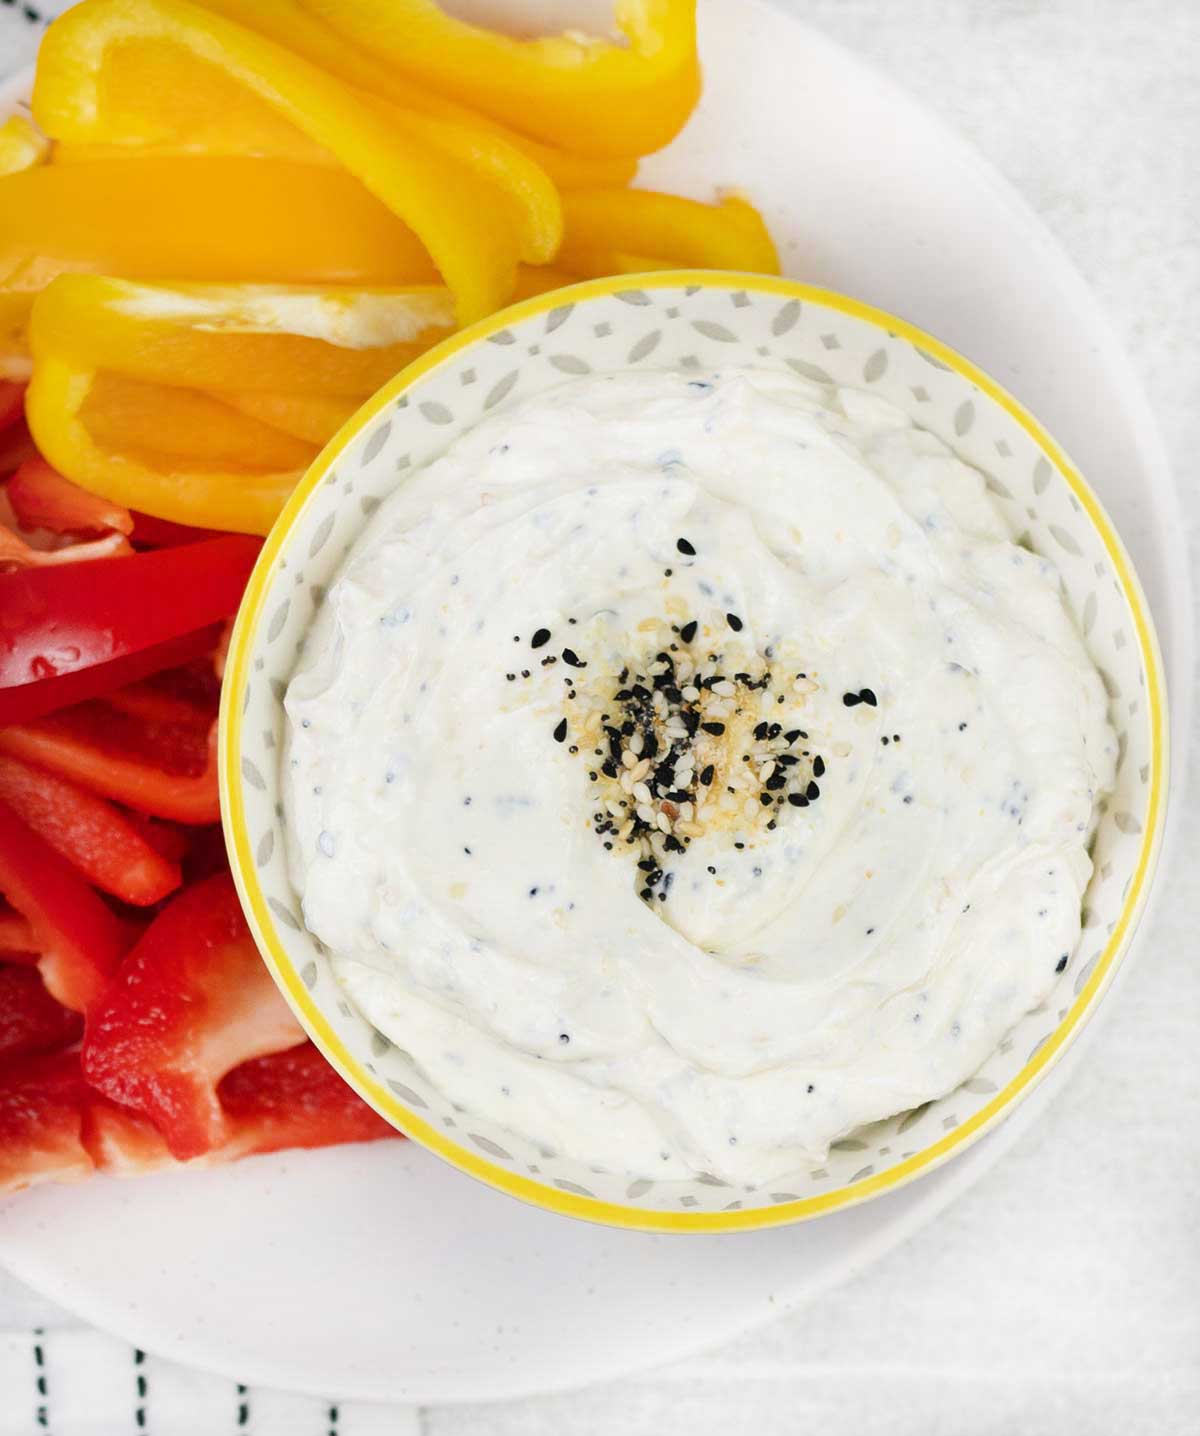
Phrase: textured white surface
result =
(1027, 1319)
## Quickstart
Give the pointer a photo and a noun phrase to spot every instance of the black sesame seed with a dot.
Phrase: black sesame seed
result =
(570, 656)
(716, 729)
(563, 1038)
(787, 760)
(560, 730)
(688, 631)
(1061, 964)
(684, 547)
(818, 767)
(798, 800)
(867, 695)
(962, 727)
(765, 799)
(775, 782)
(533, 892)
(539, 638)
(812, 792)
(761, 730)
(794, 734)
(707, 775)
(851, 700)
(734, 622)
(713, 871)
(885, 740)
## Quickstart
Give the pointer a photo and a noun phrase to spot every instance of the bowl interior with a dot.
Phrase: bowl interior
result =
(689, 321)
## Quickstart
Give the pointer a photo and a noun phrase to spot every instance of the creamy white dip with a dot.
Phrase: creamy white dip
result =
(883, 866)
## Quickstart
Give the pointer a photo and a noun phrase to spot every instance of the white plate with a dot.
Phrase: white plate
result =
(463, 1294)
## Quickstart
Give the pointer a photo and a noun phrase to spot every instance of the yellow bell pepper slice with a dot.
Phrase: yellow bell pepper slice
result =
(157, 87)
(129, 416)
(271, 338)
(582, 93)
(315, 418)
(287, 23)
(203, 218)
(22, 145)
(197, 219)
(648, 226)
(465, 223)
(203, 493)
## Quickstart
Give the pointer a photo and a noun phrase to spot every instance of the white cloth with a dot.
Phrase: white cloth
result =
(1061, 1295)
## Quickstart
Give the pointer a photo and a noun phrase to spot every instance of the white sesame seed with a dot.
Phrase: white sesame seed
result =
(641, 793)
(641, 770)
(645, 812)
(636, 744)
(625, 831)
(656, 668)
(766, 770)
(724, 688)
(690, 693)
(627, 781)
(663, 822)
(613, 807)
(628, 760)
(719, 709)
(687, 811)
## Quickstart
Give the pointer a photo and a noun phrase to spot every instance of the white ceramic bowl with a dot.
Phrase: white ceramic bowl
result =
(689, 320)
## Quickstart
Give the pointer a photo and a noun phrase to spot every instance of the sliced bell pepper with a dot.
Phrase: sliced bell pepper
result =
(12, 403)
(16, 553)
(191, 1002)
(467, 225)
(149, 532)
(316, 418)
(41, 1120)
(685, 232)
(229, 219)
(164, 770)
(167, 839)
(541, 280)
(296, 339)
(16, 447)
(161, 422)
(30, 1019)
(160, 88)
(42, 499)
(289, 1099)
(89, 832)
(296, 1099)
(80, 940)
(193, 490)
(287, 23)
(69, 633)
(587, 95)
(17, 942)
(22, 145)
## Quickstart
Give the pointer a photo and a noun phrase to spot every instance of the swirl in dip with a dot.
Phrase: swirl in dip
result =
(687, 771)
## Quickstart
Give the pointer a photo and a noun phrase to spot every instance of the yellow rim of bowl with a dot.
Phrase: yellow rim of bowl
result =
(414, 1126)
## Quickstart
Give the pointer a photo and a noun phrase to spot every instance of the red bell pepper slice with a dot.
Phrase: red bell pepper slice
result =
(296, 1099)
(16, 446)
(71, 632)
(30, 1019)
(12, 402)
(17, 942)
(168, 770)
(42, 498)
(289, 1099)
(149, 532)
(41, 1121)
(80, 939)
(192, 1001)
(15, 553)
(89, 832)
